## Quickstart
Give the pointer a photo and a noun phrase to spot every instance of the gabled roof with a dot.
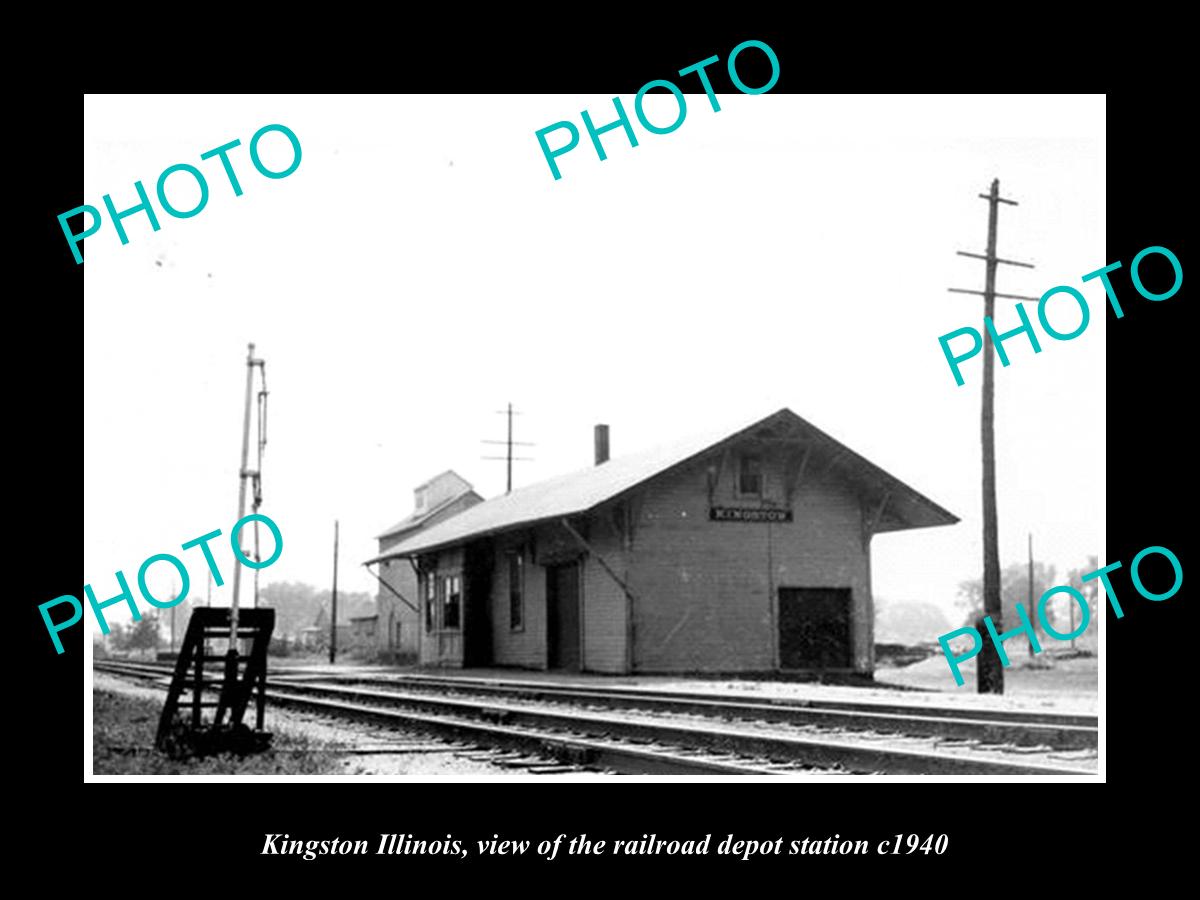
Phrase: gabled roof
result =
(442, 475)
(579, 492)
(449, 485)
(416, 520)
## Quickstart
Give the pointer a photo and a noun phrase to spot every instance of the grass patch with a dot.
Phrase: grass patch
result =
(123, 730)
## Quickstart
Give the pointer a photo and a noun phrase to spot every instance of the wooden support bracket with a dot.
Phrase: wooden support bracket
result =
(871, 523)
(392, 589)
(795, 473)
(599, 559)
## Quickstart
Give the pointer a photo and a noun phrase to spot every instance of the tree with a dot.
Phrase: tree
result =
(1090, 591)
(118, 637)
(143, 634)
(298, 606)
(1062, 611)
(1014, 589)
(912, 622)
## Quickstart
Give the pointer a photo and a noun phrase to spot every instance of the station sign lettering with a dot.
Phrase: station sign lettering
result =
(748, 514)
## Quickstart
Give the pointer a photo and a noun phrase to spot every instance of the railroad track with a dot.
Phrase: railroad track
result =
(1062, 731)
(644, 731)
(153, 675)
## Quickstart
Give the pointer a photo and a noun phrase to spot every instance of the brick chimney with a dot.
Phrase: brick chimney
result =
(601, 444)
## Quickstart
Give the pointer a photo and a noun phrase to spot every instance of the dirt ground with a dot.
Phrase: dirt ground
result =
(123, 727)
(1046, 680)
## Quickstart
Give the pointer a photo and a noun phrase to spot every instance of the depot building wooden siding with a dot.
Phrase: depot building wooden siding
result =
(707, 591)
(704, 593)
(398, 629)
(441, 645)
(601, 602)
(681, 567)
(525, 646)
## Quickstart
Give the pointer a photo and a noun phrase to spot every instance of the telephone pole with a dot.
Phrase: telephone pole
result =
(333, 604)
(1031, 609)
(509, 443)
(262, 443)
(990, 672)
(244, 473)
(1071, 608)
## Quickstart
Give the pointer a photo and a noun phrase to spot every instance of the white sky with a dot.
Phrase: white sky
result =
(421, 268)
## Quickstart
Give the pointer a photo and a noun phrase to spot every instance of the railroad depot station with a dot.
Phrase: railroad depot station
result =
(741, 551)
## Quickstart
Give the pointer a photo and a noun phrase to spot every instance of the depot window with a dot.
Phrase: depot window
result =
(452, 601)
(516, 590)
(750, 477)
(430, 603)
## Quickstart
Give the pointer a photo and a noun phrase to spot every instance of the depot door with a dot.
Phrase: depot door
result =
(814, 628)
(477, 620)
(562, 608)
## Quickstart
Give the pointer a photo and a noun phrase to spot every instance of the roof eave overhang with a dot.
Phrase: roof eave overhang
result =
(924, 513)
(474, 536)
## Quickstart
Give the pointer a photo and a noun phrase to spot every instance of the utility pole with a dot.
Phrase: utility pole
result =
(333, 604)
(243, 474)
(1071, 606)
(1031, 610)
(509, 443)
(257, 558)
(262, 442)
(990, 672)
